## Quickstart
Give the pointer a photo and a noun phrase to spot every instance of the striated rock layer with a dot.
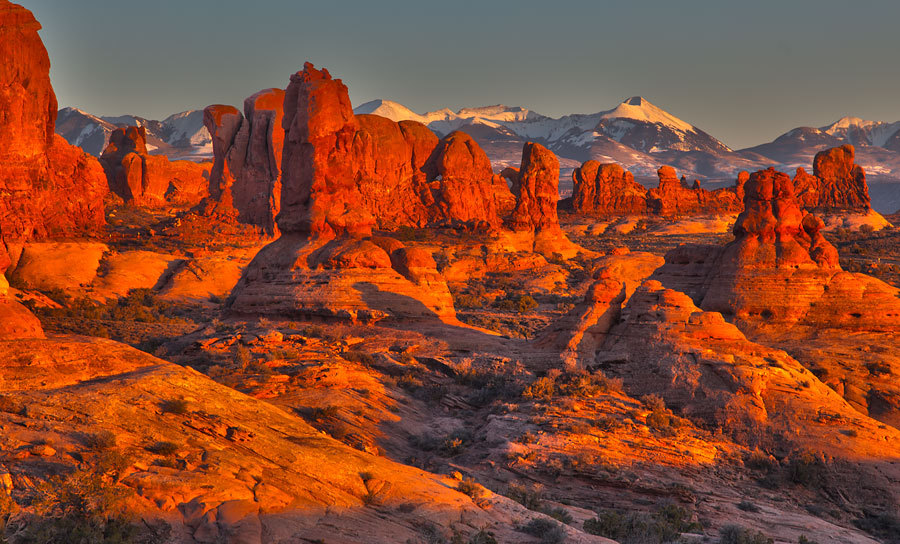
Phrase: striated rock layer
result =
(47, 187)
(150, 180)
(780, 282)
(245, 181)
(358, 279)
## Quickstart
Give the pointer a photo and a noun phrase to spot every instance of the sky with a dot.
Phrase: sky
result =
(745, 72)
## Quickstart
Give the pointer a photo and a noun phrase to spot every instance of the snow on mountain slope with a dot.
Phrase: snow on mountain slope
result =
(638, 128)
(858, 131)
(392, 110)
(181, 135)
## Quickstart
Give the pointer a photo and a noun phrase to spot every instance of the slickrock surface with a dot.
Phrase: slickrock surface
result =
(243, 470)
(151, 180)
(245, 181)
(47, 187)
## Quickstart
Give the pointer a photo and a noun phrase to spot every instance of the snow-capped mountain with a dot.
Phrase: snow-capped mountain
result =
(179, 136)
(635, 133)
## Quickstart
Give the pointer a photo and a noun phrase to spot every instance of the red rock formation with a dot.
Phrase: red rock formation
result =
(466, 185)
(345, 174)
(780, 282)
(47, 187)
(674, 197)
(245, 180)
(837, 184)
(144, 179)
(536, 189)
(607, 189)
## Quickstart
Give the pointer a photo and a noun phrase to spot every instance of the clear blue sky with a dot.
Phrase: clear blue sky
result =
(744, 72)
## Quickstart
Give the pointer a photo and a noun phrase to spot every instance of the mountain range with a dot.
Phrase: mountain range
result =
(179, 136)
(636, 134)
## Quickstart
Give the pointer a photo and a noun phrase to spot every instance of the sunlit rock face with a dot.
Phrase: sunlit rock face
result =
(348, 174)
(607, 189)
(837, 183)
(780, 282)
(47, 187)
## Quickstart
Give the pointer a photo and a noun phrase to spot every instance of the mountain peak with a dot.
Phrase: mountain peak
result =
(636, 101)
(639, 108)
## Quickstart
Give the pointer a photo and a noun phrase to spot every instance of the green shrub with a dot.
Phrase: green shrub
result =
(735, 534)
(469, 487)
(548, 531)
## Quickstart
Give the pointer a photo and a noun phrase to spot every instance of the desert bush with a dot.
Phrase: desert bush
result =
(103, 440)
(469, 487)
(883, 525)
(807, 469)
(748, 506)
(664, 525)
(163, 448)
(529, 496)
(175, 406)
(549, 532)
(735, 534)
(356, 356)
(525, 304)
(483, 536)
(541, 388)
(83, 507)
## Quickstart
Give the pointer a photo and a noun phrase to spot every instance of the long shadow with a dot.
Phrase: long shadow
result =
(420, 318)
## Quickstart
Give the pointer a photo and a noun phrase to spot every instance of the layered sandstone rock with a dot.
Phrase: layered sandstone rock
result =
(837, 190)
(780, 282)
(245, 180)
(607, 189)
(357, 279)
(47, 187)
(707, 369)
(150, 180)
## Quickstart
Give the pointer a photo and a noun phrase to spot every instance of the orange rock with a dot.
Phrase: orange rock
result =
(345, 174)
(536, 190)
(145, 179)
(837, 184)
(674, 197)
(605, 189)
(47, 187)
